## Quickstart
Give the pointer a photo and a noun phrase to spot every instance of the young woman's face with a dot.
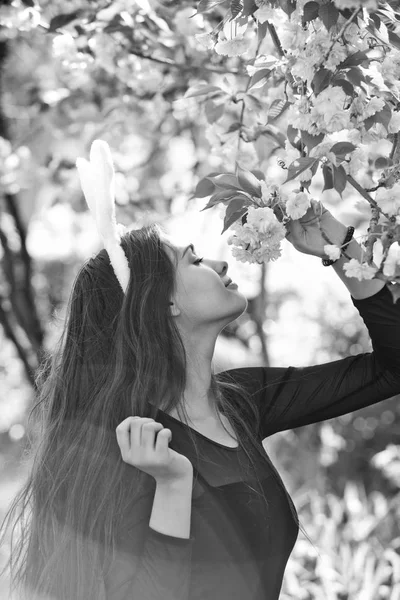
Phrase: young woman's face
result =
(202, 296)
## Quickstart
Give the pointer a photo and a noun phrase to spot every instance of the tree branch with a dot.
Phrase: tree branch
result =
(9, 333)
(34, 331)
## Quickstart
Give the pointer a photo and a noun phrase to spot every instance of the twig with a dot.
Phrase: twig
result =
(36, 336)
(243, 102)
(341, 32)
(182, 66)
(394, 146)
(8, 331)
(365, 195)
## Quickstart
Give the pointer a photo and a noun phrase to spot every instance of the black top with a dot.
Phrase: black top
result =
(239, 547)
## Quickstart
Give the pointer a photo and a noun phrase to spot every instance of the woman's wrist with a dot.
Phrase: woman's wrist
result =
(358, 289)
(335, 231)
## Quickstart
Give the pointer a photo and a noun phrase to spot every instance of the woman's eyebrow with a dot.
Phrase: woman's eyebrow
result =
(186, 249)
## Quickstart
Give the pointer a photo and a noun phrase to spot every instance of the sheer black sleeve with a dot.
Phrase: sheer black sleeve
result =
(148, 565)
(290, 397)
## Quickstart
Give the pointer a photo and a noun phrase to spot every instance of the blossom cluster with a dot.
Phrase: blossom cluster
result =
(342, 78)
(258, 240)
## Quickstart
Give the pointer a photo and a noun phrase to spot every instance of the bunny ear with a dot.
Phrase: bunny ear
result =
(97, 180)
(88, 183)
(102, 163)
(102, 167)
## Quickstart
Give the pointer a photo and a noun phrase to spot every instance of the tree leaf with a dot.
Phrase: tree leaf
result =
(328, 177)
(321, 80)
(310, 12)
(355, 76)
(262, 29)
(236, 8)
(311, 140)
(357, 58)
(226, 181)
(235, 210)
(206, 5)
(329, 15)
(276, 109)
(384, 116)
(292, 134)
(201, 90)
(369, 122)
(64, 19)
(288, 6)
(376, 20)
(248, 182)
(234, 126)
(213, 111)
(218, 197)
(394, 39)
(339, 178)
(253, 103)
(204, 188)
(382, 162)
(259, 174)
(342, 148)
(260, 78)
(249, 7)
(346, 86)
(299, 165)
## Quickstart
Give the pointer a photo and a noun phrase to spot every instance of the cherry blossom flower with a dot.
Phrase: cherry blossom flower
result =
(297, 205)
(332, 251)
(360, 271)
(392, 261)
(389, 199)
(235, 47)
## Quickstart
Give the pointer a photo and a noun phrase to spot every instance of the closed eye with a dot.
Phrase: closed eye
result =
(198, 261)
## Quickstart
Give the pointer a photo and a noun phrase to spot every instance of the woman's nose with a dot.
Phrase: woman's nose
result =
(224, 267)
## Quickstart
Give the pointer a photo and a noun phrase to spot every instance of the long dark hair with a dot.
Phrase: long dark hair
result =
(118, 355)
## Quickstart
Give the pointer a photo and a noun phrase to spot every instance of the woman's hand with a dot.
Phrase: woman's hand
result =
(305, 233)
(144, 444)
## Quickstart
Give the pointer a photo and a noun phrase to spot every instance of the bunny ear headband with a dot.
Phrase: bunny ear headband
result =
(97, 181)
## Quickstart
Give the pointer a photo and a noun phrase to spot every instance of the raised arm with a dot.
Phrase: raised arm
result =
(290, 397)
(153, 551)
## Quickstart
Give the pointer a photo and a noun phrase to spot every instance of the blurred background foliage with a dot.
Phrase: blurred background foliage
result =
(73, 71)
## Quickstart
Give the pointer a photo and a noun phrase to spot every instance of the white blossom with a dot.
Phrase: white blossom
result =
(389, 199)
(332, 251)
(352, 33)
(261, 218)
(361, 271)
(235, 47)
(377, 252)
(243, 255)
(305, 175)
(374, 105)
(297, 205)
(64, 45)
(351, 4)
(265, 192)
(205, 40)
(394, 123)
(392, 261)
(268, 252)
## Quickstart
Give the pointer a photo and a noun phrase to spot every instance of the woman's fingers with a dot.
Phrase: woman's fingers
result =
(148, 434)
(138, 434)
(163, 439)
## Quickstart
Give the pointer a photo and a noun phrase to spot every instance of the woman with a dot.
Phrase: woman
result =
(149, 479)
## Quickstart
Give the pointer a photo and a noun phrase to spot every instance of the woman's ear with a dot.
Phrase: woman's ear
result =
(174, 310)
